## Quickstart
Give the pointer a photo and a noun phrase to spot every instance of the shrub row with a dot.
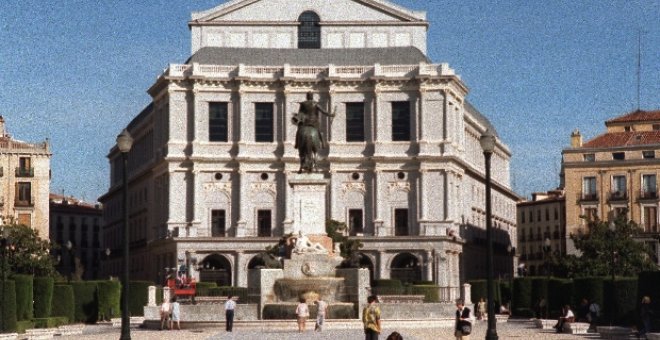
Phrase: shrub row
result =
(8, 307)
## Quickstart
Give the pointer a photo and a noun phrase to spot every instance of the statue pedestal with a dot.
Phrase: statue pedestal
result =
(309, 203)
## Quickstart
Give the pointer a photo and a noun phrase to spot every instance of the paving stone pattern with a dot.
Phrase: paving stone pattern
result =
(510, 330)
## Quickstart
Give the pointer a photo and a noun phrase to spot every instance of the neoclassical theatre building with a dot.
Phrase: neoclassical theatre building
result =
(213, 152)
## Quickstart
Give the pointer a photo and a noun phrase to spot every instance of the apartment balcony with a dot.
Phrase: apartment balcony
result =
(618, 196)
(24, 172)
(648, 195)
(588, 197)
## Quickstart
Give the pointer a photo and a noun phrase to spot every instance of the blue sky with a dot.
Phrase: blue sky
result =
(77, 71)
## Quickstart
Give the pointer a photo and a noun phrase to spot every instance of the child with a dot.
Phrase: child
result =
(164, 314)
(303, 313)
(176, 314)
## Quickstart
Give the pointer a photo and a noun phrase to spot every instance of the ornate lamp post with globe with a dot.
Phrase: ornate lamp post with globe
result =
(487, 142)
(124, 144)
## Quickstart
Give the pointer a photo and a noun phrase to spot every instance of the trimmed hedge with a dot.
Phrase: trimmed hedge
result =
(204, 288)
(63, 303)
(506, 292)
(431, 292)
(477, 290)
(8, 307)
(86, 301)
(387, 283)
(560, 293)
(590, 288)
(138, 297)
(43, 296)
(539, 291)
(621, 301)
(109, 294)
(240, 292)
(24, 296)
(647, 285)
(522, 296)
(21, 326)
(52, 322)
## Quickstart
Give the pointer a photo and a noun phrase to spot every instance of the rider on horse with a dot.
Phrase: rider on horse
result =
(309, 131)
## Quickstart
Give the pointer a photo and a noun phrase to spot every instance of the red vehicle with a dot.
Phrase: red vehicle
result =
(182, 288)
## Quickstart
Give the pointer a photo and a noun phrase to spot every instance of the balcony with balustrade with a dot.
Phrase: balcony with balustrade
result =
(24, 172)
(588, 197)
(618, 196)
(648, 195)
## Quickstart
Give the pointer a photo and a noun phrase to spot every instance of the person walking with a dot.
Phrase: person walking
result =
(645, 314)
(165, 315)
(230, 305)
(371, 319)
(480, 310)
(463, 326)
(320, 314)
(302, 311)
(176, 314)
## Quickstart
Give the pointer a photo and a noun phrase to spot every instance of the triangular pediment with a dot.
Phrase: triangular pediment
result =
(288, 10)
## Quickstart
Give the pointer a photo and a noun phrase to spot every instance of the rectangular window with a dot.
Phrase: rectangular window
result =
(627, 128)
(24, 193)
(589, 157)
(650, 154)
(400, 121)
(263, 122)
(547, 214)
(591, 214)
(355, 223)
(649, 186)
(218, 223)
(401, 222)
(24, 167)
(218, 122)
(618, 156)
(25, 219)
(650, 219)
(618, 187)
(589, 188)
(264, 223)
(355, 122)
(522, 217)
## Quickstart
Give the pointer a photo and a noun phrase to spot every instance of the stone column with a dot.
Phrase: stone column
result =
(382, 258)
(166, 294)
(240, 269)
(466, 294)
(244, 208)
(152, 296)
(429, 266)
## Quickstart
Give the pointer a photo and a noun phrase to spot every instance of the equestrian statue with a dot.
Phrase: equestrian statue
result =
(309, 139)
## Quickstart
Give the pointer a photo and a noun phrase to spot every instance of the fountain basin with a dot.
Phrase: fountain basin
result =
(287, 311)
(327, 288)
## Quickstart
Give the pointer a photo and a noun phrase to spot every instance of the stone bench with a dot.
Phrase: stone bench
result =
(653, 336)
(39, 333)
(70, 330)
(8, 336)
(401, 298)
(545, 323)
(502, 317)
(576, 327)
(135, 321)
(614, 333)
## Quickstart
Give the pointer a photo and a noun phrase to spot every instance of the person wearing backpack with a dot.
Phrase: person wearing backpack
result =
(371, 319)
(594, 314)
(463, 325)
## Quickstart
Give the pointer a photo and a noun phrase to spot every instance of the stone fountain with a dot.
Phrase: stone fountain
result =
(310, 271)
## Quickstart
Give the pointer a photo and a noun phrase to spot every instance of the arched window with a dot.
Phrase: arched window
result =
(309, 31)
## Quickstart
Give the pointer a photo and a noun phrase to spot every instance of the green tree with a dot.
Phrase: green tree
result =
(597, 245)
(28, 254)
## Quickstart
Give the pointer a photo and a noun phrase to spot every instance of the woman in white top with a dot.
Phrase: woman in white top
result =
(302, 311)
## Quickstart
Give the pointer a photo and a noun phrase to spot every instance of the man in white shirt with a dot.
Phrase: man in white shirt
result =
(230, 305)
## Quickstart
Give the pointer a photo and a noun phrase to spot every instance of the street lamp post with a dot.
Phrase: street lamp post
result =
(69, 247)
(5, 242)
(612, 236)
(547, 248)
(511, 251)
(487, 142)
(124, 144)
(107, 259)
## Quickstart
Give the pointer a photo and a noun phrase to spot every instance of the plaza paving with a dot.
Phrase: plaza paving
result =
(508, 330)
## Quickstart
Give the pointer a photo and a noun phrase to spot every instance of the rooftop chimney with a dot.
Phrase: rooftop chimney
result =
(576, 139)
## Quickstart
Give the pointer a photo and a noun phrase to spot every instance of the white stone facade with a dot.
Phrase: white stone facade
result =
(274, 24)
(430, 184)
(24, 182)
